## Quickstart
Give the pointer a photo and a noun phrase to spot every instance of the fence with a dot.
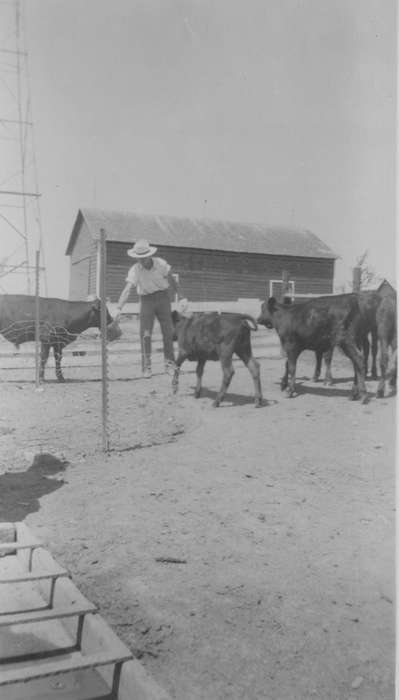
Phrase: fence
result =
(125, 352)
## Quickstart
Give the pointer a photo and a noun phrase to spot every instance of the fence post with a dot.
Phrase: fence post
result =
(104, 354)
(37, 320)
(285, 284)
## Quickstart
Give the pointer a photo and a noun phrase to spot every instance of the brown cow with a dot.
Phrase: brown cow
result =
(366, 325)
(216, 336)
(320, 325)
(387, 338)
(61, 322)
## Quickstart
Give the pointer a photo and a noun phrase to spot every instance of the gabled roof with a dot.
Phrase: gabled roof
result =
(201, 233)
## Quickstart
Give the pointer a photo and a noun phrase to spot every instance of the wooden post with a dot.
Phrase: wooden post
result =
(104, 356)
(356, 279)
(285, 286)
(37, 320)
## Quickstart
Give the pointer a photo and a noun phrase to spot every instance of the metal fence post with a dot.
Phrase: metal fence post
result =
(104, 354)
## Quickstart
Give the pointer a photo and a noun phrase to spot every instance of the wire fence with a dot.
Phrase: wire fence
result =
(90, 359)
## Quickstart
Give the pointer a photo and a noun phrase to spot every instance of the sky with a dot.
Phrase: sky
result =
(279, 112)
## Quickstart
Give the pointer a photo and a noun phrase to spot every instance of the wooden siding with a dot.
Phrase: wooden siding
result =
(221, 276)
(82, 266)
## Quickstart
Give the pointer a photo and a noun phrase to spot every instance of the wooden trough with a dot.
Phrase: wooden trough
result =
(53, 643)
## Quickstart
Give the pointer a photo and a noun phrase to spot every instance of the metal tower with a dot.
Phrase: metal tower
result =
(20, 219)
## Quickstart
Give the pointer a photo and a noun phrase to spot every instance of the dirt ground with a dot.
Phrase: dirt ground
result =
(282, 517)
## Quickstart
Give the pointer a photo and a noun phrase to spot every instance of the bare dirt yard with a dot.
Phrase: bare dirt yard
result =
(282, 519)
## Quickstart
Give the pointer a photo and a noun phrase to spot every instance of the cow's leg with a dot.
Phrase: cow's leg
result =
(384, 357)
(175, 379)
(44, 353)
(394, 370)
(254, 368)
(366, 352)
(351, 350)
(374, 351)
(317, 369)
(228, 371)
(292, 357)
(284, 379)
(57, 349)
(199, 372)
(328, 380)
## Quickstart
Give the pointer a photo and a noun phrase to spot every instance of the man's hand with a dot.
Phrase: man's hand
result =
(182, 306)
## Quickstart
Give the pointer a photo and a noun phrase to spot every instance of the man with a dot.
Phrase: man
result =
(152, 278)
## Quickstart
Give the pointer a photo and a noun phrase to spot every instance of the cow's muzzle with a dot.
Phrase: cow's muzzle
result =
(264, 322)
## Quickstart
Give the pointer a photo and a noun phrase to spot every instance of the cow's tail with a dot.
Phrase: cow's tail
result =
(247, 317)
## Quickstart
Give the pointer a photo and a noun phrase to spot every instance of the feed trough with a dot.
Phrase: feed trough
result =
(53, 642)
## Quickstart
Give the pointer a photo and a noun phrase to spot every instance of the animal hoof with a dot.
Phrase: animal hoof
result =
(216, 404)
(365, 399)
(197, 394)
(61, 378)
(380, 394)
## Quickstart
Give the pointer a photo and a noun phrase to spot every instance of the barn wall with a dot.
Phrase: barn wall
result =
(223, 276)
(82, 276)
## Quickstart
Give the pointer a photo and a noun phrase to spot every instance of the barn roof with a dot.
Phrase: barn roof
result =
(201, 233)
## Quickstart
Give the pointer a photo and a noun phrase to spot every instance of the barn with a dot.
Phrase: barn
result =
(216, 261)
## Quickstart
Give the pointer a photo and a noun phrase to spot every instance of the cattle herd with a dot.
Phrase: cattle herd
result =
(346, 321)
(321, 324)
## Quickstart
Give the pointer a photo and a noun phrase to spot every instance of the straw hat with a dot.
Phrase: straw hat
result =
(141, 249)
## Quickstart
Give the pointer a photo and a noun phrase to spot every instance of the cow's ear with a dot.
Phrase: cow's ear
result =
(272, 304)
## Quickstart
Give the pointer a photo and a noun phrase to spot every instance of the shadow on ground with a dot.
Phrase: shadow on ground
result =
(230, 398)
(329, 391)
(20, 492)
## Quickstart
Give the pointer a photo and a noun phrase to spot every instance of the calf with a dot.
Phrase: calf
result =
(387, 338)
(60, 323)
(318, 325)
(214, 336)
(366, 326)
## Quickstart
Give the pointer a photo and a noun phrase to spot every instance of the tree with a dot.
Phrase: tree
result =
(367, 274)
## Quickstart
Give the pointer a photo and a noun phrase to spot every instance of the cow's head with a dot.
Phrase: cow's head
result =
(95, 314)
(266, 313)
